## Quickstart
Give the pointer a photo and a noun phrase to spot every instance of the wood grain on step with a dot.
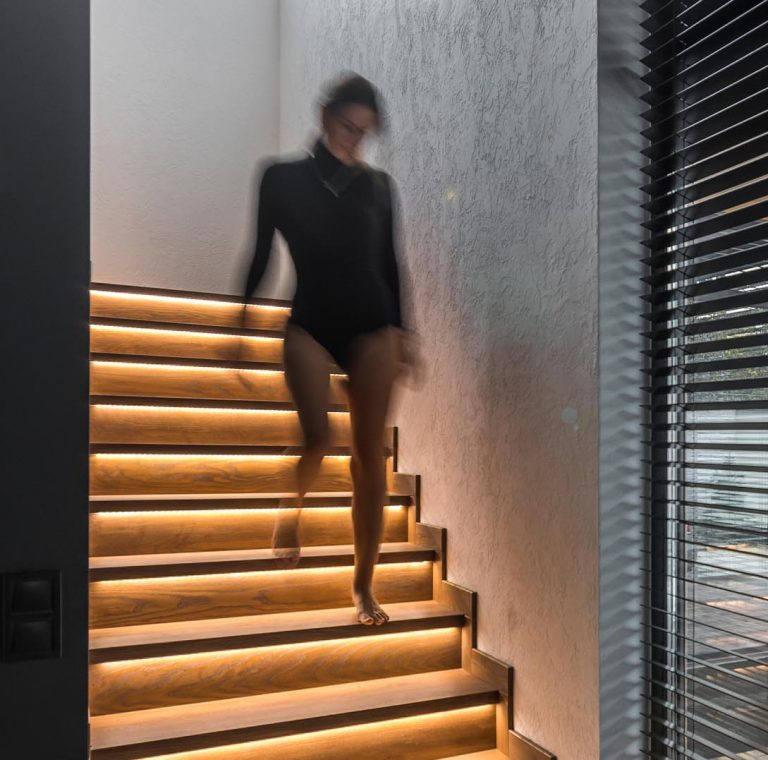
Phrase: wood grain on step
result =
(186, 311)
(180, 426)
(149, 533)
(137, 685)
(286, 713)
(163, 639)
(173, 564)
(125, 379)
(200, 474)
(141, 601)
(185, 343)
(424, 737)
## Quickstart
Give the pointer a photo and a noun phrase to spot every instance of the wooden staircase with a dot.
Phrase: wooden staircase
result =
(200, 647)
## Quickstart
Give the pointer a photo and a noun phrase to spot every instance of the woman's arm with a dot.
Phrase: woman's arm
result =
(399, 283)
(265, 231)
(392, 246)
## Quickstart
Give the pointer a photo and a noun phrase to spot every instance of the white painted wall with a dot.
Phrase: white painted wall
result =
(184, 106)
(494, 147)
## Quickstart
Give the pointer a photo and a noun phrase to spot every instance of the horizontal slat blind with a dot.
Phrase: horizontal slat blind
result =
(706, 442)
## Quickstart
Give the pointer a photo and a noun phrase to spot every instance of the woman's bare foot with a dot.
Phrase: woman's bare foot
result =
(286, 543)
(369, 611)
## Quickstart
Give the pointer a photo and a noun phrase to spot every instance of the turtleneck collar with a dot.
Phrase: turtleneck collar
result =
(333, 172)
(327, 162)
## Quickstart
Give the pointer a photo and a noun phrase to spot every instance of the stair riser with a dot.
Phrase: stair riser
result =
(158, 533)
(143, 380)
(186, 311)
(184, 426)
(170, 474)
(136, 602)
(426, 736)
(160, 682)
(183, 343)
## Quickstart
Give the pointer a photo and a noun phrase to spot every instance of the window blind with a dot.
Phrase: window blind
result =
(706, 327)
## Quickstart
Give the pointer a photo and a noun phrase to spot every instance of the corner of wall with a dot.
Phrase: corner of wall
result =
(620, 343)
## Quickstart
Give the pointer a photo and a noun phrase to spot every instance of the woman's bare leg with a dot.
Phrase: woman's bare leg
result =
(371, 373)
(307, 373)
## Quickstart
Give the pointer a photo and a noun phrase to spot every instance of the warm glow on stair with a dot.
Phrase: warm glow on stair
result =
(170, 366)
(180, 331)
(176, 457)
(196, 409)
(280, 747)
(228, 511)
(204, 645)
(176, 367)
(192, 657)
(181, 300)
(229, 496)
(202, 577)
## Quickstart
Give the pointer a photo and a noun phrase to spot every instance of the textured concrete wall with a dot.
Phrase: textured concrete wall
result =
(494, 147)
(184, 104)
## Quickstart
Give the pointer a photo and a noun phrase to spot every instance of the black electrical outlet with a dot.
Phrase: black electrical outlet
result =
(31, 615)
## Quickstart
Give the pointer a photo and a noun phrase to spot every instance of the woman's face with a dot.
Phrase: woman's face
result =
(346, 129)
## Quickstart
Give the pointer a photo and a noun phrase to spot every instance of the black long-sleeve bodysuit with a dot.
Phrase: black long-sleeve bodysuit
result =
(339, 225)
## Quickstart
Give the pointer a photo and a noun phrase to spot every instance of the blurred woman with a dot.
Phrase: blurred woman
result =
(338, 216)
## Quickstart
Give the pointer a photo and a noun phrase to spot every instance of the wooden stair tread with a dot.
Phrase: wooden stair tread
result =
(487, 754)
(194, 403)
(204, 363)
(288, 622)
(186, 295)
(393, 496)
(243, 560)
(194, 327)
(225, 501)
(216, 449)
(229, 555)
(422, 692)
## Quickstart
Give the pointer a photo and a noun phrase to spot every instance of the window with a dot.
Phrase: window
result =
(706, 315)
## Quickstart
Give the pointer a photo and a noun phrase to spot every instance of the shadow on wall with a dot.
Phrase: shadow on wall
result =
(621, 524)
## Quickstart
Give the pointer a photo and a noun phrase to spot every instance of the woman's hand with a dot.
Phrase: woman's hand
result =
(410, 359)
